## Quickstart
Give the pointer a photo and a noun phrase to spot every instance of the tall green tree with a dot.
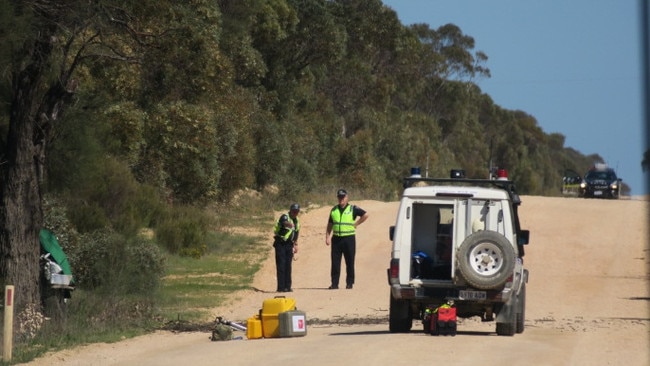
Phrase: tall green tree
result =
(56, 40)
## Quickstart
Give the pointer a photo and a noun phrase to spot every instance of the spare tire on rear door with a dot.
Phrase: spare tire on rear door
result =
(486, 259)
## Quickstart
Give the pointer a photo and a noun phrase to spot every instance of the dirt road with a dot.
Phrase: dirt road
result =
(588, 301)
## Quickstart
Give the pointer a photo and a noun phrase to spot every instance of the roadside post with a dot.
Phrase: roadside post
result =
(9, 323)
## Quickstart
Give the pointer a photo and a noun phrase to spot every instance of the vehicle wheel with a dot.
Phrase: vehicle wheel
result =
(507, 326)
(486, 260)
(506, 329)
(399, 316)
(521, 308)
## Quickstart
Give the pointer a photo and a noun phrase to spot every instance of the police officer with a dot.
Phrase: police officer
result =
(341, 235)
(285, 242)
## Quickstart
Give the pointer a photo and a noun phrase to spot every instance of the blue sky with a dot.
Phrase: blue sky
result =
(574, 65)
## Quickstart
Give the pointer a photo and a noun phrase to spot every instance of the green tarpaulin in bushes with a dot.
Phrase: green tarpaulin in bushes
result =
(50, 244)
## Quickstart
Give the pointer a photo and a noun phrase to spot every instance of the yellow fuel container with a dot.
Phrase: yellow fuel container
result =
(254, 327)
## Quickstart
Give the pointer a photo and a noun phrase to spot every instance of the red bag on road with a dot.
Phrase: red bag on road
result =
(443, 321)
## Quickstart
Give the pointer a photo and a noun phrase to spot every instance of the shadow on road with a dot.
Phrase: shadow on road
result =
(384, 332)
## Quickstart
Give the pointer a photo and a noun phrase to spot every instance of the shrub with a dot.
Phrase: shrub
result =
(184, 232)
(144, 267)
(111, 197)
(110, 263)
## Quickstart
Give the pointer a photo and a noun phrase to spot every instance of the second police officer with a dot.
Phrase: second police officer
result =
(285, 242)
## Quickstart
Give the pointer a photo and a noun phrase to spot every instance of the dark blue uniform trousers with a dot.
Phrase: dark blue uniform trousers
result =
(283, 261)
(343, 246)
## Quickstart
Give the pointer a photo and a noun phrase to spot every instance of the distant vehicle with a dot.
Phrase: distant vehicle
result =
(600, 182)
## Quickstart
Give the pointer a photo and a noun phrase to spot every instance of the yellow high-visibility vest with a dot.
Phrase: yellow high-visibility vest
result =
(285, 233)
(342, 222)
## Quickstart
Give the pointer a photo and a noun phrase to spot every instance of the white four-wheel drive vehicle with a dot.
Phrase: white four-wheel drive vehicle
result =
(458, 239)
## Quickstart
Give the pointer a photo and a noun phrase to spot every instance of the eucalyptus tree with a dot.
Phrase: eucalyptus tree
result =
(48, 46)
(363, 77)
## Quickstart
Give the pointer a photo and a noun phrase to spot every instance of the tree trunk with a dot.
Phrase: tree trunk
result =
(21, 216)
(21, 213)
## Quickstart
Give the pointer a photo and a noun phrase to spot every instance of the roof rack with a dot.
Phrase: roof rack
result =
(507, 185)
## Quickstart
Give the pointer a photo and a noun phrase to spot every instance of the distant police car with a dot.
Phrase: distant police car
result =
(600, 182)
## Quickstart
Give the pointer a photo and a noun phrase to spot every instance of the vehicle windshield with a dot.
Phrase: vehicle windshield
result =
(601, 175)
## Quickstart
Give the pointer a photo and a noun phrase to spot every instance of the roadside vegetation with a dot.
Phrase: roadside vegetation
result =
(167, 291)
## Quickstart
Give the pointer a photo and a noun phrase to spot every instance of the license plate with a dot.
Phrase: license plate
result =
(598, 193)
(472, 295)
